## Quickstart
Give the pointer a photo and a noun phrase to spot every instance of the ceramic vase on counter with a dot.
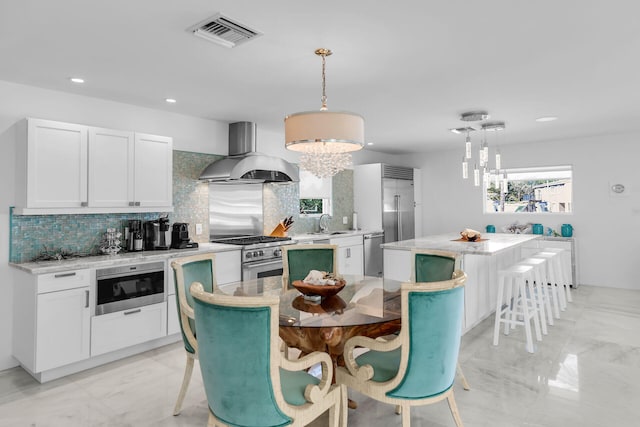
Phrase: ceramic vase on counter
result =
(566, 230)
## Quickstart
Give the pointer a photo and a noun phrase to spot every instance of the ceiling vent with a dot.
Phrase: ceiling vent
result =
(224, 31)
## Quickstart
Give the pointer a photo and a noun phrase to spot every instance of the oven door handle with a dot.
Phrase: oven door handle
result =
(262, 264)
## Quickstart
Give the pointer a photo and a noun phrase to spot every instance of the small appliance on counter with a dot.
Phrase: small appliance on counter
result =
(180, 236)
(133, 235)
(156, 234)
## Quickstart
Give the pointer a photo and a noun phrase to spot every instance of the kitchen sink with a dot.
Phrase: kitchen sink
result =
(337, 232)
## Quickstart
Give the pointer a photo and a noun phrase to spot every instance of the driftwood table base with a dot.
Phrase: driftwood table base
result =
(331, 339)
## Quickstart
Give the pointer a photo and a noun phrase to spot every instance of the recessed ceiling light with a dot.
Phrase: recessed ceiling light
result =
(369, 143)
(546, 119)
(76, 80)
(170, 100)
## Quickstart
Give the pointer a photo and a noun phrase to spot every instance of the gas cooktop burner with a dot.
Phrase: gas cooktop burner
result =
(250, 240)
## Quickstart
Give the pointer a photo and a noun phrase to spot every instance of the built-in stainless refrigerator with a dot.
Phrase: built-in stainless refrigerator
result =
(384, 199)
(397, 209)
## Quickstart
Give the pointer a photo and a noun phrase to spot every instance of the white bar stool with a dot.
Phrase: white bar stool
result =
(565, 270)
(554, 266)
(518, 278)
(544, 301)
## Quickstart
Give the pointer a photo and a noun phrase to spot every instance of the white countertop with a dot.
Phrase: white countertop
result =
(305, 237)
(101, 261)
(492, 243)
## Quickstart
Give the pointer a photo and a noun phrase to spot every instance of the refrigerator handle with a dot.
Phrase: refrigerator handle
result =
(398, 218)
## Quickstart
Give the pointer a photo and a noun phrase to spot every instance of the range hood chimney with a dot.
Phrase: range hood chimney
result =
(245, 164)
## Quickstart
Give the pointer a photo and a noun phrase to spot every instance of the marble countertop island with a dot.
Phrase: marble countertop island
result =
(491, 243)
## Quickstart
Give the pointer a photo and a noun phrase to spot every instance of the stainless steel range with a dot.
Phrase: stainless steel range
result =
(261, 255)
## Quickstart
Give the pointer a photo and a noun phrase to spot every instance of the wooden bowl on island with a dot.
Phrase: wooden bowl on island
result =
(310, 290)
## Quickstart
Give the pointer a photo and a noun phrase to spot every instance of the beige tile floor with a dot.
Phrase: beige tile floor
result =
(585, 373)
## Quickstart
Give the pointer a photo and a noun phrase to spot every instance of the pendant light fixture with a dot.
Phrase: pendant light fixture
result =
(482, 171)
(325, 138)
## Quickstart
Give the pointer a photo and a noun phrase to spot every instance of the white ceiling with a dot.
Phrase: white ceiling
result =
(409, 67)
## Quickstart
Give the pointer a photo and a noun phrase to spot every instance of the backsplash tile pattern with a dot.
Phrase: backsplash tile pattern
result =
(278, 202)
(80, 234)
(190, 195)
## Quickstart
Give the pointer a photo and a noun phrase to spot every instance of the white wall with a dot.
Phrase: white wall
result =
(605, 226)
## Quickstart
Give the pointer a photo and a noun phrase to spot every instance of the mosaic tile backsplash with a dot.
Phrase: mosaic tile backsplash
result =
(82, 234)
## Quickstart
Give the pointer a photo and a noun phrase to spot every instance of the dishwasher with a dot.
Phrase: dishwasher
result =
(373, 254)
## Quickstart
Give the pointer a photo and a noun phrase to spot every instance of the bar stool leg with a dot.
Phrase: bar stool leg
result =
(499, 309)
(533, 307)
(540, 299)
(525, 310)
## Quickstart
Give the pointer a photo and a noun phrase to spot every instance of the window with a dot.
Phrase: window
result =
(315, 194)
(530, 190)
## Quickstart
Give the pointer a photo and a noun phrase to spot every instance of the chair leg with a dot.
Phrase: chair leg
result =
(344, 405)
(398, 409)
(463, 379)
(406, 416)
(454, 409)
(188, 370)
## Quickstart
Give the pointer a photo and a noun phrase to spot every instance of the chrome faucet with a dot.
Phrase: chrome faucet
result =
(323, 223)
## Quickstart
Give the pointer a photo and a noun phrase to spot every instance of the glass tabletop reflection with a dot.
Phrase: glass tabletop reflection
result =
(363, 301)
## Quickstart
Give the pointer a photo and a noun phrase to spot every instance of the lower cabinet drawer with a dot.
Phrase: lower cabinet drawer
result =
(122, 329)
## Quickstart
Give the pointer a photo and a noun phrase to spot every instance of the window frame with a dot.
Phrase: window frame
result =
(488, 202)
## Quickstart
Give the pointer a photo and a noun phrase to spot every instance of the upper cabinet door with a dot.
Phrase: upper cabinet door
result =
(56, 164)
(111, 154)
(153, 170)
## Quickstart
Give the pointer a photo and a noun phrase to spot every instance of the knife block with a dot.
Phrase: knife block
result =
(279, 231)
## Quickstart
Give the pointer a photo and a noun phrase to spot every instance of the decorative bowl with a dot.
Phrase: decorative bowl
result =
(309, 290)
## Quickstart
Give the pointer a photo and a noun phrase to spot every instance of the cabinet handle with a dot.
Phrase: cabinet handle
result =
(137, 203)
(84, 204)
(57, 276)
(132, 203)
(348, 252)
(138, 310)
(86, 300)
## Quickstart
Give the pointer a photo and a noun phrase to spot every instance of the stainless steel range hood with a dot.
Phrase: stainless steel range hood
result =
(244, 164)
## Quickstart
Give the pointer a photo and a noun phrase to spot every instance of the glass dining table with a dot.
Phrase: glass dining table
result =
(367, 306)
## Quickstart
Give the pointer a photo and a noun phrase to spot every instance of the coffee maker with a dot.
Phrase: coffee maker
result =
(180, 236)
(133, 235)
(156, 234)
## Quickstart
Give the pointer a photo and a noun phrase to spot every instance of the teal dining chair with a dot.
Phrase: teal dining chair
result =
(195, 268)
(431, 265)
(298, 260)
(246, 379)
(417, 367)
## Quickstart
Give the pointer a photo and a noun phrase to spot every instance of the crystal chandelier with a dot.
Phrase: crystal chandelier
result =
(325, 138)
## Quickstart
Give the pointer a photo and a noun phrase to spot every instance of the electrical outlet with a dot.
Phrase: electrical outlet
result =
(345, 220)
(198, 229)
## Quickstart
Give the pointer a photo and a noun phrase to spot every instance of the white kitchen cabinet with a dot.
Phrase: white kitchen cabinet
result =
(71, 168)
(55, 160)
(350, 255)
(122, 329)
(153, 171)
(52, 319)
(111, 155)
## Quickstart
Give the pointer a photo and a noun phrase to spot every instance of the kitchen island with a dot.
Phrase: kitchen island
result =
(480, 260)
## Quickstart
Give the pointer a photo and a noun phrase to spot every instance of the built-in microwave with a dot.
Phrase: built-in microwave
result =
(129, 287)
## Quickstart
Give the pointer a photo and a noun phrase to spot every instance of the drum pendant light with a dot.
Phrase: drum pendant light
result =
(325, 138)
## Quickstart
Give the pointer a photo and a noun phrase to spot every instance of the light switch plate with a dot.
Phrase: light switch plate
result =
(345, 220)
(198, 229)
